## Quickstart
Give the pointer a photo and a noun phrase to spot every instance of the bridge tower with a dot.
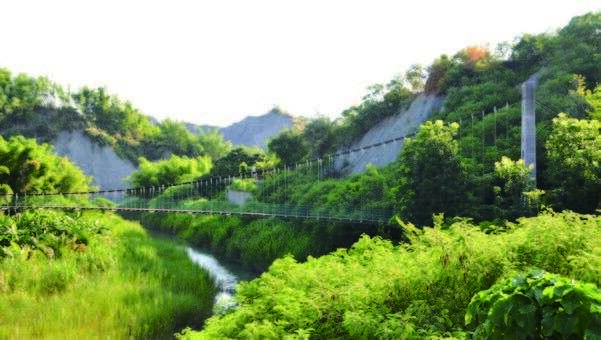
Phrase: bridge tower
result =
(529, 125)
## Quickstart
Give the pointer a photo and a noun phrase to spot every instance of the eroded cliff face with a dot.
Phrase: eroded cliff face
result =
(101, 162)
(257, 131)
(403, 124)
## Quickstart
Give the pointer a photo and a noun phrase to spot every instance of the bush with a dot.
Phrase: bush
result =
(433, 179)
(45, 231)
(537, 305)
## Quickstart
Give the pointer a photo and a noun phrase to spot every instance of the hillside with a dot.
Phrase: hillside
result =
(106, 136)
(257, 130)
(252, 131)
(405, 123)
(108, 170)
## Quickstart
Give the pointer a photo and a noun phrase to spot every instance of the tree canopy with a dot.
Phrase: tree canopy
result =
(28, 167)
(170, 171)
(432, 178)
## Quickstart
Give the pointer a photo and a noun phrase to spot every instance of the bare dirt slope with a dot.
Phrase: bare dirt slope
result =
(403, 124)
(101, 162)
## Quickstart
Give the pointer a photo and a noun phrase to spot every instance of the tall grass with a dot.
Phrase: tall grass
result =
(122, 284)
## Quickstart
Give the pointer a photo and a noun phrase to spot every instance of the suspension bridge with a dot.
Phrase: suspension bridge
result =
(273, 189)
(218, 195)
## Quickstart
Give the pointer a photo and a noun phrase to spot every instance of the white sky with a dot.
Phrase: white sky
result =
(215, 62)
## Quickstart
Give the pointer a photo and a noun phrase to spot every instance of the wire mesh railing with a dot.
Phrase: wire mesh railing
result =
(199, 197)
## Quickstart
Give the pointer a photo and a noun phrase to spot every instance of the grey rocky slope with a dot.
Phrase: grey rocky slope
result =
(58, 122)
(403, 124)
(252, 130)
(101, 162)
(257, 131)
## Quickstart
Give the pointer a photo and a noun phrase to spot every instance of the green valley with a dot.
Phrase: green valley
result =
(441, 231)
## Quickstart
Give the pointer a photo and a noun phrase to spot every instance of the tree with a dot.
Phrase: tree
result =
(513, 180)
(175, 139)
(229, 165)
(573, 152)
(169, 171)
(416, 77)
(593, 98)
(433, 179)
(437, 74)
(375, 92)
(289, 146)
(320, 136)
(213, 144)
(21, 95)
(28, 167)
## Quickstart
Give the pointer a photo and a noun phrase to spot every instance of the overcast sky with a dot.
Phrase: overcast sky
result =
(215, 62)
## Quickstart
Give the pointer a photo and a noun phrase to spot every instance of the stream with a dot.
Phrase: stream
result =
(225, 276)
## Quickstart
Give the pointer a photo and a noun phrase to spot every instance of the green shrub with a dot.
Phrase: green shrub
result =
(248, 185)
(45, 231)
(574, 168)
(536, 305)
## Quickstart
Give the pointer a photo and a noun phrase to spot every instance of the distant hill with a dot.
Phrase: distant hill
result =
(252, 130)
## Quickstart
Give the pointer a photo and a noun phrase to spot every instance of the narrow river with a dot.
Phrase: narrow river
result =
(225, 276)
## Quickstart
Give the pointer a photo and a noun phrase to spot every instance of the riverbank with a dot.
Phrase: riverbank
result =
(120, 283)
(255, 243)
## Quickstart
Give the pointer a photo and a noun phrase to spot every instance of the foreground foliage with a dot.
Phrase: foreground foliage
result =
(46, 231)
(94, 275)
(378, 290)
(537, 305)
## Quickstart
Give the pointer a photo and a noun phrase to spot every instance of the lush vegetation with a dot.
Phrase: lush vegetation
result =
(81, 276)
(26, 167)
(429, 177)
(377, 289)
(536, 305)
(74, 275)
(116, 123)
(170, 171)
(482, 96)
(36, 107)
(318, 137)
(256, 243)
(460, 278)
(483, 270)
(432, 176)
(574, 162)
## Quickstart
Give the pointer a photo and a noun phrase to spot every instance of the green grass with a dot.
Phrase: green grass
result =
(122, 284)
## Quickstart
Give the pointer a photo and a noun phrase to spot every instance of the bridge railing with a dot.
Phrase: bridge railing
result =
(189, 201)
